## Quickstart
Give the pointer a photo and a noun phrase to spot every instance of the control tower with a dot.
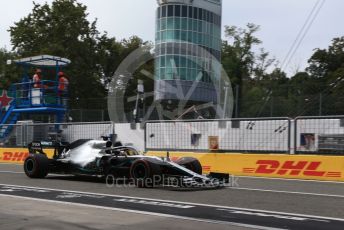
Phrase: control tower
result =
(188, 51)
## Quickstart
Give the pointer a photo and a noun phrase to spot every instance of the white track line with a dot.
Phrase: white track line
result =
(11, 172)
(148, 213)
(51, 174)
(15, 164)
(288, 192)
(290, 179)
(185, 203)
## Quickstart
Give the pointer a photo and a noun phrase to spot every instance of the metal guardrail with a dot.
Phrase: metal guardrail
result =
(25, 95)
(233, 135)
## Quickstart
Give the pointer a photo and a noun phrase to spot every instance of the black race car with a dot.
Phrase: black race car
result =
(102, 158)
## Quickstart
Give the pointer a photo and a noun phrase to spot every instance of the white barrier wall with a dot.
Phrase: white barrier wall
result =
(73, 132)
(264, 135)
(125, 134)
(129, 136)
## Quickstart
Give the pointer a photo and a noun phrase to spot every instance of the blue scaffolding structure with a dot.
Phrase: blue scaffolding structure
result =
(30, 100)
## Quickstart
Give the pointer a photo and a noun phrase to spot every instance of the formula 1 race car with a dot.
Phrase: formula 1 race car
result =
(102, 158)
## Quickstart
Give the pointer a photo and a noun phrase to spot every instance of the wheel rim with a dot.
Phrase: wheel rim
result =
(29, 165)
(140, 171)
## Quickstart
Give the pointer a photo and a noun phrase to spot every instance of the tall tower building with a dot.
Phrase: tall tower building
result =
(188, 50)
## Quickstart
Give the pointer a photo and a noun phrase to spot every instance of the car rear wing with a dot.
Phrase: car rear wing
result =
(38, 146)
(35, 147)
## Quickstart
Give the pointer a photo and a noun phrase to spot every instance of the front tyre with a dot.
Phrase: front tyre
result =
(36, 166)
(190, 163)
(145, 174)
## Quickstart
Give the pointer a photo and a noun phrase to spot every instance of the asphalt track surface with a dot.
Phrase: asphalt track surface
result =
(68, 202)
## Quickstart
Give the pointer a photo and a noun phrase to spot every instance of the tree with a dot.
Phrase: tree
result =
(237, 54)
(8, 73)
(327, 65)
(242, 64)
(63, 29)
(325, 62)
(112, 53)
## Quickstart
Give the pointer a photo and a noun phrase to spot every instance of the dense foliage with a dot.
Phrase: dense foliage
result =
(62, 29)
(265, 90)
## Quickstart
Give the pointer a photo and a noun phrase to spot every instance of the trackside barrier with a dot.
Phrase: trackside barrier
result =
(24, 132)
(319, 135)
(234, 135)
(18, 155)
(308, 167)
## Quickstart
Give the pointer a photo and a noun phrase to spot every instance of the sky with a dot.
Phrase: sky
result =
(280, 21)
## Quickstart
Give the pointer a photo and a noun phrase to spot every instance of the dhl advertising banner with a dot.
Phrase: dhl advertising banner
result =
(310, 167)
(18, 155)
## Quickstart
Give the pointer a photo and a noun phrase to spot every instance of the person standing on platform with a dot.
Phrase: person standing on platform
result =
(63, 88)
(36, 92)
(36, 79)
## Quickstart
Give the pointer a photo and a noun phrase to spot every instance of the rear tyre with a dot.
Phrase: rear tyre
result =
(145, 174)
(190, 163)
(36, 166)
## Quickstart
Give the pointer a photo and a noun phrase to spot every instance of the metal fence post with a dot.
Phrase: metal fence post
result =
(289, 136)
(320, 104)
(295, 134)
(145, 136)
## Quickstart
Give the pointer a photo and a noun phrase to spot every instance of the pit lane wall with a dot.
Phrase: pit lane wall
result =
(18, 155)
(309, 167)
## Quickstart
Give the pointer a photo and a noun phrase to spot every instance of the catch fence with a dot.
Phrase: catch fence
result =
(235, 135)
